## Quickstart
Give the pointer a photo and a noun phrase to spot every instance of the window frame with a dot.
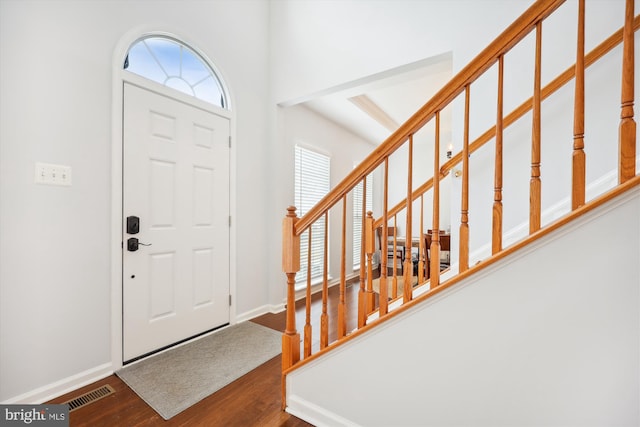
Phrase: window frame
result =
(169, 77)
(305, 197)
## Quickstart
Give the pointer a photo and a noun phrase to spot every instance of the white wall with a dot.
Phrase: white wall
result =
(602, 111)
(56, 80)
(302, 126)
(317, 45)
(320, 44)
(549, 336)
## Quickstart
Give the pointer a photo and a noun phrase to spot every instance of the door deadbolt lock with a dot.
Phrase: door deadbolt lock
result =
(133, 243)
(133, 225)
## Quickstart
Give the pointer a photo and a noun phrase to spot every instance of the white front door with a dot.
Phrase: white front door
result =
(176, 181)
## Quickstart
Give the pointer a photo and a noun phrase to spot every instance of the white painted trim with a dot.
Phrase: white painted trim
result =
(248, 315)
(63, 386)
(298, 142)
(278, 308)
(267, 308)
(193, 47)
(315, 414)
(155, 87)
(116, 204)
(373, 110)
(391, 76)
(119, 75)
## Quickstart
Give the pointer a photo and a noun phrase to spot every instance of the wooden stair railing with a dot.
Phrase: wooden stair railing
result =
(293, 227)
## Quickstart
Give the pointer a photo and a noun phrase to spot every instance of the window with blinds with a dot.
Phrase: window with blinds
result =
(357, 216)
(311, 185)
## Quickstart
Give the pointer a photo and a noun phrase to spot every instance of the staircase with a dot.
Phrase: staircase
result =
(411, 344)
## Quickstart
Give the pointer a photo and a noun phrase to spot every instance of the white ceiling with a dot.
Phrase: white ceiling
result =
(374, 107)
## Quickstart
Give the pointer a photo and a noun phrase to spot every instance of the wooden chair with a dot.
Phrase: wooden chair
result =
(445, 246)
(395, 258)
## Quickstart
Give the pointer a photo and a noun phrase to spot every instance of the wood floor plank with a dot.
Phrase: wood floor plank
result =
(252, 400)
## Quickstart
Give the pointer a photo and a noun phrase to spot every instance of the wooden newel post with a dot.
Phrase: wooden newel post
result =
(290, 266)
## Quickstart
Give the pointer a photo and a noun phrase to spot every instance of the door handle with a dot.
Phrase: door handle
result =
(133, 243)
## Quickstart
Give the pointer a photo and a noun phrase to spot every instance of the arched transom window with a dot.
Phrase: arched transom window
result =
(171, 63)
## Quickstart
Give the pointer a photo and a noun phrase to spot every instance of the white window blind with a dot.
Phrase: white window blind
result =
(357, 217)
(311, 185)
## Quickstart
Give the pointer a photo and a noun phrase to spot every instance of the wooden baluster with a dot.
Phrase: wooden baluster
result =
(627, 130)
(342, 307)
(370, 242)
(496, 240)
(307, 325)
(384, 293)
(407, 292)
(290, 266)
(464, 217)
(394, 281)
(324, 317)
(578, 174)
(435, 233)
(535, 190)
(361, 294)
(421, 247)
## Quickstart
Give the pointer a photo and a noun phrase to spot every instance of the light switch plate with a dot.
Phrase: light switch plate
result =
(50, 174)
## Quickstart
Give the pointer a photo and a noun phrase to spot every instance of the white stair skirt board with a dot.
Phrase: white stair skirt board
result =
(481, 349)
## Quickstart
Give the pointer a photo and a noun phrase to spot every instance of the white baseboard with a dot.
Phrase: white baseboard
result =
(279, 308)
(315, 414)
(259, 311)
(66, 385)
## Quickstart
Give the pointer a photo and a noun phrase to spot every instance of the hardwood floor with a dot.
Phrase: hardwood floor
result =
(252, 400)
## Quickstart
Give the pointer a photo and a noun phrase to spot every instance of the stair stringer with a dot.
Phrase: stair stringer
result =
(547, 336)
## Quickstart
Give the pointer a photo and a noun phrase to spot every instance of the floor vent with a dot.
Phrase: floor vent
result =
(89, 397)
